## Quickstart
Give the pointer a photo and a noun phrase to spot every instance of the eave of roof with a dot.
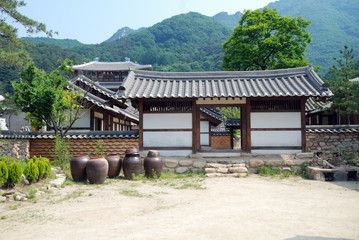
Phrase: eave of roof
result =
(295, 82)
(110, 66)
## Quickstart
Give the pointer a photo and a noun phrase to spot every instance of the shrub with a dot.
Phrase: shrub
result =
(8, 160)
(31, 171)
(15, 173)
(44, 166)
(62, 153)
(3, 173)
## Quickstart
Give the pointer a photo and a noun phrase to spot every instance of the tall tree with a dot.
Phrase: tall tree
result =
(12, 50)
(44, 96)
(345, 100)
(265, 40)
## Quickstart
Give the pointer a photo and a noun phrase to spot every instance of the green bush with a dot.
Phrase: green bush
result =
(44, 166)
(8, 160)
(31, 171)
(15, 172)
(3, 173)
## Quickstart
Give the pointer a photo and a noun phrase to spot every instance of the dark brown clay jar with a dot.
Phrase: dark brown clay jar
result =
(96, 170)
(153, 163)
(132, 163)
(114, 165)
(78, 167)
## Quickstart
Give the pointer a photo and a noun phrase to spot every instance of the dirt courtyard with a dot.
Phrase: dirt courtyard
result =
(196, 208)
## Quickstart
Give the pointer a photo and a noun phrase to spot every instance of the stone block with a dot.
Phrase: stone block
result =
(304, 155)
(181, 169)
(249, 155)
(238, 170)
(286, 169)
(210, 175)
(222, 170)
(171, 163)
(198, 164)
(209, 170)
(195, 155)
(215, 165)
(239, 165)
(254, 163)
(274, 162)
(231, 175)
(341, 176)
(185, 163)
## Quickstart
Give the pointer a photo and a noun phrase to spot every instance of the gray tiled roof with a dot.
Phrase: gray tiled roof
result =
(273, 83)
(212, 112)
(110, 66)
(332, 129)
(233, 122)
(313, 106)
(220, 133)
(69, 135)
(354, 79)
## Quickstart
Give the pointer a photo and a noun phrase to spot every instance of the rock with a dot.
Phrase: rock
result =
(231, 175)
(273, 162)
(181, 169)
(23, 199)
(239, 165)
(249, 155)
(195, 155)
(254, 163)
(171, 163)
(341, 176)
(214, 175)
(215, 165)
(185, 163)
(238, 170)
(198, 164)
(57, 182)
(286, 169)
(209, 170)
(315, 174)
(11, 192)
(61, 175)
(222, 170)
(304, 155)
(18, 198)
(56, 170)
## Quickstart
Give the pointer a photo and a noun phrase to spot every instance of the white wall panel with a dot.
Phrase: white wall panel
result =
(167, 139)
(204, 139)
(276, 138)
(84, 121)
(167, 121)
(275, 120)
(204, 126)
(276, 151)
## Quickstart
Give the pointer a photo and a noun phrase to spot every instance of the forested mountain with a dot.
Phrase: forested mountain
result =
(64, 43)
(122, 32)
(227, 20)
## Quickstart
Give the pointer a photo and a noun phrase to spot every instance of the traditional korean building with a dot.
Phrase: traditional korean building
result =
(108, 74)
(272, 107)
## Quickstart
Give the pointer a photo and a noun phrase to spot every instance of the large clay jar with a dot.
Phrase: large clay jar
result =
(96, 170)
(78, 167)
(114, 165)
(153, 163)
(132, 163)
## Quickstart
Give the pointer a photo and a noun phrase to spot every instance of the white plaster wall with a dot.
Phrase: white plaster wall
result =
(275, 120)
(175, 153)
(84, 120)
(276, 138)
(276, 151)
(167, 121)
(167, 139)
(204, 139)
(204, 126)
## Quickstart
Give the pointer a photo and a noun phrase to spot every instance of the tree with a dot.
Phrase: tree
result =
(265, 40)
(46, 98)
(345, 100)
(12, 50)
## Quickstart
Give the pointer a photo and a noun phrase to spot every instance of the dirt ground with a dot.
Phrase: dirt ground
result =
(196, 208)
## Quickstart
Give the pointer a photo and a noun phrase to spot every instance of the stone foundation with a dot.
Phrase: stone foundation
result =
(17, 148)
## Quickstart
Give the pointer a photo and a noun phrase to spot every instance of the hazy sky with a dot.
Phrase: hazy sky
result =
(94, 21)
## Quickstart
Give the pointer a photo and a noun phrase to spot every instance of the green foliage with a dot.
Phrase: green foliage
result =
(12, 50)
(350, 158)
(15, 172)
(269, 170)
(266, 40)
(32, 193)
(3, 173)
(62, 43)
(303, 170)
(45, 98)
(8, 160)
(346, 65)
(99, 150)
(62, 153)
(43, 165)
(31, 171)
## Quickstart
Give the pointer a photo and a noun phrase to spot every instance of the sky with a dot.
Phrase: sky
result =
(94, 21)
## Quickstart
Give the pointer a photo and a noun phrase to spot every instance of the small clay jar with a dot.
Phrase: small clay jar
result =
(78, 167)
(153, 164)
(132, 163)
(96, 170)
(114, 165)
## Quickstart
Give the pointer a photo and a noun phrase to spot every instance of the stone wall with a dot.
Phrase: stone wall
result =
(44, 147)
(17, 148)
(329, 140)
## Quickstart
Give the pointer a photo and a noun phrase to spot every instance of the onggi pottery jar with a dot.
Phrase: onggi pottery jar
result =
(114, 165)
(153, 163)
(78, 167)
(132, 163)
(97, 169)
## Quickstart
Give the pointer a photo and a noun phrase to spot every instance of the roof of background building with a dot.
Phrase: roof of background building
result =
(111, 66)
(272, 83)
(314, 106)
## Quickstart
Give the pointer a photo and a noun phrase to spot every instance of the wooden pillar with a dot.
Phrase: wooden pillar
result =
(231, 132)
(140, 132)
(304, 140)
(92, 118)
(248, 122)
(194, 126)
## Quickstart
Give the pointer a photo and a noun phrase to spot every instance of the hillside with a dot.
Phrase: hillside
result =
(122, 32)
(186, 42)
(63, 43)
(227, 20)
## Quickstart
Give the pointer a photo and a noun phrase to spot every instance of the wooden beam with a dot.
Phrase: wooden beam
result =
(248, 120)
(304, 140)
(140, 131)
(194, 126)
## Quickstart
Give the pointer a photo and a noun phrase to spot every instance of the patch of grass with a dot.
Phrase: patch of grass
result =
(15, 206)
(191, 185)
(67, 182)
(2, 201)
(73, 195)
(131, 193)
(32, 193)
(269, 170)
(303, 170)
(3, 217)
(90, 194)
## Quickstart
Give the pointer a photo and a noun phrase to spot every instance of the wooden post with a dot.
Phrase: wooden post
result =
(304, 138)
(140, 131)
(194, 126)
(248, 123)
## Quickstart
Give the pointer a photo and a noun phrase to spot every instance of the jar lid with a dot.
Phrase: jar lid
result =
(153, 153)
(131, 151)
